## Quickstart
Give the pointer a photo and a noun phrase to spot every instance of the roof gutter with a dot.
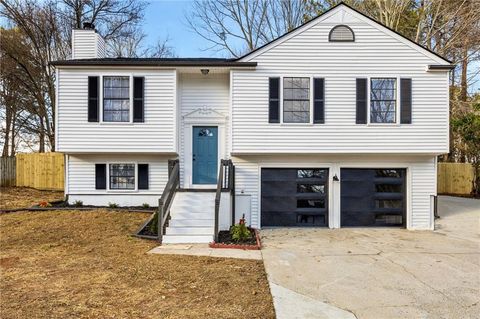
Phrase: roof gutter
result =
(155, 63)
(440, 67)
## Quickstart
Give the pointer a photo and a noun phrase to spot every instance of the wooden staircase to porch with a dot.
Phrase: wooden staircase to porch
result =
(190, 215)
(192, 218)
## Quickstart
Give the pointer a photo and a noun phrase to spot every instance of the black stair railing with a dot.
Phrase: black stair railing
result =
(225, 182)
(157, 222)
(165, 202)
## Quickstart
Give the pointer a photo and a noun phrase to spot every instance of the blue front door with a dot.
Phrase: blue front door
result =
(205, 154)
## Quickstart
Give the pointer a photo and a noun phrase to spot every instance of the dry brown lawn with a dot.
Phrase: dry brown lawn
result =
(21, 197)
(85, 264)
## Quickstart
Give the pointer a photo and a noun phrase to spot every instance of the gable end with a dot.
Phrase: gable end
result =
(251, 55)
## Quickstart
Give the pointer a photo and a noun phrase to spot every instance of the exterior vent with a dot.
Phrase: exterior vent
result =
(341, 33)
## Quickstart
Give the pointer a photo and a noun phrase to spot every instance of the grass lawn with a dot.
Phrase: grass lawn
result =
(20, 197)
(85, 264)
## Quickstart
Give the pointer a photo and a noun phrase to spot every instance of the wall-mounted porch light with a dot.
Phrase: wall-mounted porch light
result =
(335, 178)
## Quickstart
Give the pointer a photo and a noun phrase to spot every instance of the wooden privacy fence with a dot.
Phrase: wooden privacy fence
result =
(7, 167)
(455, 178)
(43, 171)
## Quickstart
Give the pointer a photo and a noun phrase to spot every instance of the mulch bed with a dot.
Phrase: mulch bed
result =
(225, 241)
(64, 204)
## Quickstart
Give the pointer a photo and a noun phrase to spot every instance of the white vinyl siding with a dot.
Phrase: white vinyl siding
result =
(309, 54)
(156, 135)
(87, 44)
(80, 179)
(197, 92)
(421, 180)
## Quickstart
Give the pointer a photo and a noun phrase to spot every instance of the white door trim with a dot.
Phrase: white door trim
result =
(202, 117)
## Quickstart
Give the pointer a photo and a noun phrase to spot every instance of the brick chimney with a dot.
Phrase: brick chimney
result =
(87, 43)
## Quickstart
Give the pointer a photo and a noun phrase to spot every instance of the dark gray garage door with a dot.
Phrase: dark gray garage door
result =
(294, 197)
(373, 197)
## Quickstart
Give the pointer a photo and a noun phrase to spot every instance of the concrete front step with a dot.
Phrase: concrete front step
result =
(189, 230)
(185, 239)
(195, 208)
(176, 222)
(192, 218)
(187, 215)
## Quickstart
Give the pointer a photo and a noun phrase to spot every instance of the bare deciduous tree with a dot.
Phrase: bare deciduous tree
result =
(283, 16)
(133, 46)
(45, 28)
(232, 26)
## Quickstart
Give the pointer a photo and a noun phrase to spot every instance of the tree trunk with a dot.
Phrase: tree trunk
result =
(463, 81)
(41, 137)
(7, 137)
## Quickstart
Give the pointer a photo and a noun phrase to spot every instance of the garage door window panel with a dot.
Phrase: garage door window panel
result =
(311, 173)
(311, 188)
(388, 188)
(311, 203)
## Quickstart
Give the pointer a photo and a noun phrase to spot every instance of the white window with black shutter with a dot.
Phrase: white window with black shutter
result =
(296, 100)
(116, 99)
(122, 176)
(383, 100)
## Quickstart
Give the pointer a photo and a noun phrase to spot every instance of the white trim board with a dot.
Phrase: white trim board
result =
(201, 117)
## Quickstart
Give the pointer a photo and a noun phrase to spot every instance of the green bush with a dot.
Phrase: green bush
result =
(153, 227)
(113, 205)
(78, 203)
(240, 231)
(146, 205)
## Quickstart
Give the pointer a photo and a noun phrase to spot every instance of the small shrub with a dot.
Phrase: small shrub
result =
(113, 205)
(78, 203)
(153, 227)
(240, 231)
(44, 204)
(146, 205)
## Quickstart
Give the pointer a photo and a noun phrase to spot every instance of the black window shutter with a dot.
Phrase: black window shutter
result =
(319, 100)
(93, 98)
(406, 101)
(138, 99)
(361, 101)
(142, 176)
(100, 176)
(274, 100)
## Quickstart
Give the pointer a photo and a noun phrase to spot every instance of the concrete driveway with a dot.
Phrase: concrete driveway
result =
(379, 273)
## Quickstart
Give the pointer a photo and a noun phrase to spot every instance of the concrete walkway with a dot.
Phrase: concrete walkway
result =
(379, 273)
(204, 250)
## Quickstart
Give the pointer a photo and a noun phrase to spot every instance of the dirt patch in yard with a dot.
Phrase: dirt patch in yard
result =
(85, 264)
(20, 197)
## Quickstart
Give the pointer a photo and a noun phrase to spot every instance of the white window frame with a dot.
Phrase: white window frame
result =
(310, 122)
(397, 101)
(122, 190)
(130, 98)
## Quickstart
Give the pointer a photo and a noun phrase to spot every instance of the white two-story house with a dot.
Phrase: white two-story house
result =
(337, 123)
